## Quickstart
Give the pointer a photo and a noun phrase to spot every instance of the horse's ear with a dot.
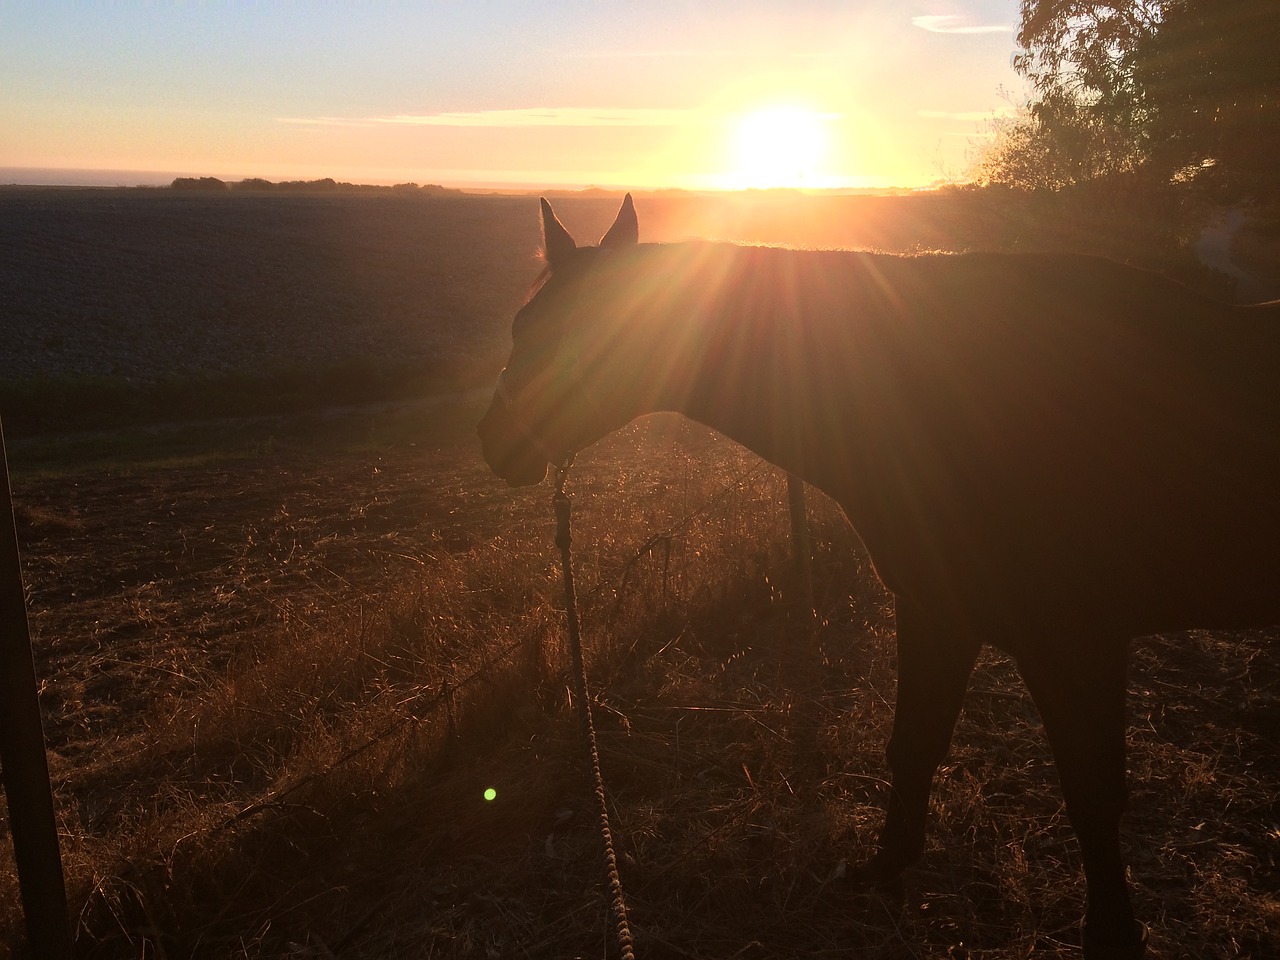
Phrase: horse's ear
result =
(626, 229)
(557, 245)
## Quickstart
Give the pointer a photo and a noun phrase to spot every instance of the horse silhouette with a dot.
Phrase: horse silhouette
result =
(1049, 453)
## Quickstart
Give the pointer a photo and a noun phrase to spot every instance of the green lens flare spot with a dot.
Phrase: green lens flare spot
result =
(490, 794)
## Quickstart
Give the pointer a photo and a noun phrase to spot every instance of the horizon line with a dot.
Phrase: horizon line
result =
(114, 177)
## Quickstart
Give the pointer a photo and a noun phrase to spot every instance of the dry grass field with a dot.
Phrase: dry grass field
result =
(285, 647)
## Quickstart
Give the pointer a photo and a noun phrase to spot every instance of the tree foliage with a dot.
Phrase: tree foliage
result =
(1173, 89)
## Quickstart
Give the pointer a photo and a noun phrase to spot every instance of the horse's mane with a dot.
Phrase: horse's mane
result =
(540, 281)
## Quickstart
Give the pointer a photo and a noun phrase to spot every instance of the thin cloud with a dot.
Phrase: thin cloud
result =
(523, 117)
(963, 114)
(658, 53)
(956, 24)
(326, 121)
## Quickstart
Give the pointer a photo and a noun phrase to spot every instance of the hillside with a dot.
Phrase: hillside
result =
(153, 284)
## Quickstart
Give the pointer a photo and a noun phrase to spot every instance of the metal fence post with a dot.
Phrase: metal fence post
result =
(22, 756)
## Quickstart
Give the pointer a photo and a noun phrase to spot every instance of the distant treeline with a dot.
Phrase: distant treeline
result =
(327, 185)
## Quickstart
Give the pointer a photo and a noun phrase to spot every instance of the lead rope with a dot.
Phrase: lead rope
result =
(617, 901)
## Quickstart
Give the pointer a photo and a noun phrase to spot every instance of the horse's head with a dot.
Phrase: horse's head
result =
(545, 408)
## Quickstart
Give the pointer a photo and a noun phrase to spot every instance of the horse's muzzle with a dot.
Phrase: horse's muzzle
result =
(507, 449)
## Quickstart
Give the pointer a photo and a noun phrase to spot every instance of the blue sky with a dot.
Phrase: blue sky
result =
(644, 94)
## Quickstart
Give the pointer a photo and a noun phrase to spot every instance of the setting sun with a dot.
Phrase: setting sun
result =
(778, 146)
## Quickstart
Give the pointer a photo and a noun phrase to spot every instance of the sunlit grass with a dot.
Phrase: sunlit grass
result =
(359, 706)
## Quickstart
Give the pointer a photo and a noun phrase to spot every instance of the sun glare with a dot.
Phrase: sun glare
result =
(778, 146)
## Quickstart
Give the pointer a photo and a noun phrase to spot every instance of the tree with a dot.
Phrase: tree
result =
(206, 184)
(1176, 89)
(1212, 75)
(1055, 143)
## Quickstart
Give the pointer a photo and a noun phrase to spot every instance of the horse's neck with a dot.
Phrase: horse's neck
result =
(746, 364)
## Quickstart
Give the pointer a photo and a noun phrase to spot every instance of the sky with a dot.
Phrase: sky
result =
(693, 94)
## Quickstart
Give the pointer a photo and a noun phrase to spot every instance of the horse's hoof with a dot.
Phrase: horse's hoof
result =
(1133, 947)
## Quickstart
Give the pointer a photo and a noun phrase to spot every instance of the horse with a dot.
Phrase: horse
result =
(1050, 453)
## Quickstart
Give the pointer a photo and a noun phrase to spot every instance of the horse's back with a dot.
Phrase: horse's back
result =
(1078, 440)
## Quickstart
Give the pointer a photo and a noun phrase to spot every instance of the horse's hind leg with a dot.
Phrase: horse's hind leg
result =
(1080, 694)
(933, 671)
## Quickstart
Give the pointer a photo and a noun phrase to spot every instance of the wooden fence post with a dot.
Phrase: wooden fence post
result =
(801, 545)
(22, 756)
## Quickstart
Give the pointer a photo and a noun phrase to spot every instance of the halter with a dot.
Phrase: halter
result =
(560, 459)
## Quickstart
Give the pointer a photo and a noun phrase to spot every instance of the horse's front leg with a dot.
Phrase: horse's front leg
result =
(1080, 693)
(933, 672)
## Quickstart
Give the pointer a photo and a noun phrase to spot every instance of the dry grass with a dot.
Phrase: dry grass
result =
(316, 789)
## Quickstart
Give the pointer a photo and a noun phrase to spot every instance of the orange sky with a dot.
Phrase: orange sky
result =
(646, 95)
